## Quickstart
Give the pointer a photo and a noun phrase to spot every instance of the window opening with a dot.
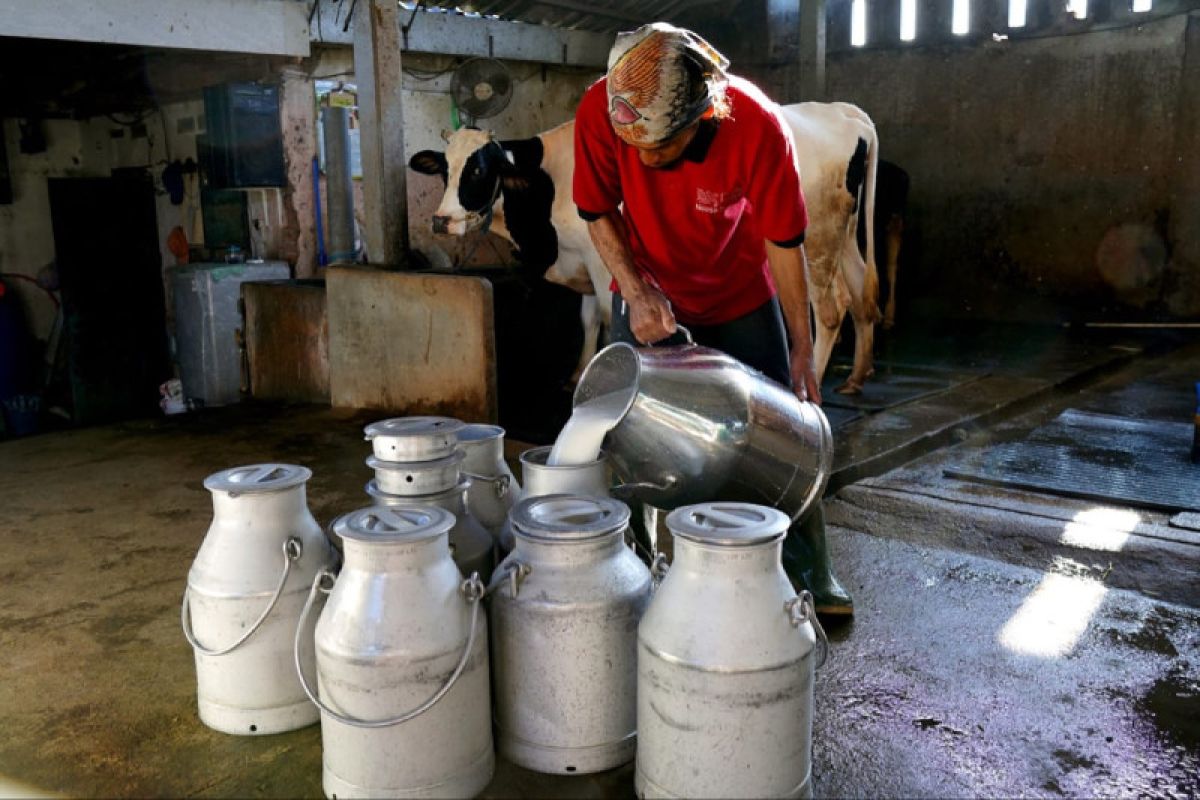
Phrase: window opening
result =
(908, 20)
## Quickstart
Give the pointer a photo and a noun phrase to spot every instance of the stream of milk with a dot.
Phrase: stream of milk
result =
(580, 439)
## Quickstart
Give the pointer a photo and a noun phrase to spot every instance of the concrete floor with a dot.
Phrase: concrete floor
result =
(936, 688)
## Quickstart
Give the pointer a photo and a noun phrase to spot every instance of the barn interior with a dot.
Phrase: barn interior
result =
(213, 252)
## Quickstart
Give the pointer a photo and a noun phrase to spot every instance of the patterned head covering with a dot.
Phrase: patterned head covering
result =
(660, 80)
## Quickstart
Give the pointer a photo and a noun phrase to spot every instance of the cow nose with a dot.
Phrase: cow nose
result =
(440, 224)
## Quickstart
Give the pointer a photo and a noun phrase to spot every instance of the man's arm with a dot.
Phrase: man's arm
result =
(789, 268)
(650, 315)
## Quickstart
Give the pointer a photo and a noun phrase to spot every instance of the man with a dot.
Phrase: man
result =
(713, 224)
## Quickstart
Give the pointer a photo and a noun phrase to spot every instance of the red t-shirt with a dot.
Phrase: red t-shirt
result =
(697, 229)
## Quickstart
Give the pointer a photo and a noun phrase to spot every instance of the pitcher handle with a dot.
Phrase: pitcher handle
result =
(472, 589)
(293, 548)
(624, 490)
(687, 334)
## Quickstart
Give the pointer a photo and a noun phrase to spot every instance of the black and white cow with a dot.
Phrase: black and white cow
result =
(521, 190)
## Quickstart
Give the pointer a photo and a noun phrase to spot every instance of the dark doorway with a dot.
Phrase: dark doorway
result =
(110, 271)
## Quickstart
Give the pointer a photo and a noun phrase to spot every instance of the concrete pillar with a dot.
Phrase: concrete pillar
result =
(883, 22)
(783, 49)
(377, 46)
(933, 20)
(339, 184)
(812, 49)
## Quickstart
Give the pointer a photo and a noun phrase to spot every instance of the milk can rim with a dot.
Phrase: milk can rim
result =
(372, 489)
(524, 525)
(223, 481)
(772, 526)
(467, 434)
(440, 522)
(434, 465)
(411, 427)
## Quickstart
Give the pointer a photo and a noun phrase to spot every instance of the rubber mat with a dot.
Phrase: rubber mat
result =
(1098, 457)
(891, 385)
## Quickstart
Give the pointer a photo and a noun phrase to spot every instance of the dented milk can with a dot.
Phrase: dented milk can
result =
(243, 598)
(471, 547)
(564, 613)
(494, 488)
(725, 663)
(402, 662)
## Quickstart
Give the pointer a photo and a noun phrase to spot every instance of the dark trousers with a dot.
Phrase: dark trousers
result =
(758, 340)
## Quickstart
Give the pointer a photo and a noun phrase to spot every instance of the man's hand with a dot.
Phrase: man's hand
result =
(804, 376)
(650, 316)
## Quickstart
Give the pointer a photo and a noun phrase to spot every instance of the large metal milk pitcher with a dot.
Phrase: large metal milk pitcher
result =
(402, 662)
(700, 426)
(494, 489)
(564, 611)
(725, 663)
(244, 594)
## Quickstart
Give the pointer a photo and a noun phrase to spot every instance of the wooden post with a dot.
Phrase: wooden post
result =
(377, 69)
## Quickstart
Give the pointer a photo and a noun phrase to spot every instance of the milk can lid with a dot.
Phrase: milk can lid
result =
(387, 498)
(730, 524)
(394, 524)
(568, 517)
(416, 438)
(257, 478)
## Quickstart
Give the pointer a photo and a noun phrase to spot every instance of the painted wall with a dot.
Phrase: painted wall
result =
(1051, 177)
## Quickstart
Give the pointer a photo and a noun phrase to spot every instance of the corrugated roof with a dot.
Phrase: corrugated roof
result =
(604, 16)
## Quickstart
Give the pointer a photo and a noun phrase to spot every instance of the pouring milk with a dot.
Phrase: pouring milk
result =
(580, 439)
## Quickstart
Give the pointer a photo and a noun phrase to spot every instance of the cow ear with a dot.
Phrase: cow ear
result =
(446, 134)
(515, 183)
(429, 162)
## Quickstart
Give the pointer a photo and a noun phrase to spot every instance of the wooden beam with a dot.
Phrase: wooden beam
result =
(263, 27)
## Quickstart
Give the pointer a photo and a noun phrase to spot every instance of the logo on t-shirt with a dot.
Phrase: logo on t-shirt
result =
(713, 202)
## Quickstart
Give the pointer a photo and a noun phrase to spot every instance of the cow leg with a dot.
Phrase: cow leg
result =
(895, 233)
(864, 311)
(589, 315)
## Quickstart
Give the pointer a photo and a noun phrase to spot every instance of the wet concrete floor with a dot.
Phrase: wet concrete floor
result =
(961, 675)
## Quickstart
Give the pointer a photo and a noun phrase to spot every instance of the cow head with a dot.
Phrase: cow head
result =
(474, 167)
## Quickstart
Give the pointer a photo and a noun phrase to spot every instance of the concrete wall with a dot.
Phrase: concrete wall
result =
(1051, 177)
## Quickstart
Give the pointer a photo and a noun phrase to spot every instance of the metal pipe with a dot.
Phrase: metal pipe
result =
(339, 184)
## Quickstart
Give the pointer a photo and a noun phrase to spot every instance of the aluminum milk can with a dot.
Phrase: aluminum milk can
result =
(471, 547)
(702, 426)
(725, 663)
(592, 479)
(564, 613)
(243, 599)
(494, 489)
(402, 663)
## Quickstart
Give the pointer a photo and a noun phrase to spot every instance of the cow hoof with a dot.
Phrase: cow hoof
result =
(849, 387)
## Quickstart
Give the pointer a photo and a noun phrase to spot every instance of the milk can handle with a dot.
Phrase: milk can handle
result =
(500, 482)
(293, 548)
(800, 609)
(471, 588)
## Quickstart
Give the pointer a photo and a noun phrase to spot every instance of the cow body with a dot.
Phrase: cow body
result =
(528, 186)
(838, 152)
(522, 189)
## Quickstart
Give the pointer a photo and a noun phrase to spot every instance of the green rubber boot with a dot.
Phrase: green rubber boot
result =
(806, 562)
